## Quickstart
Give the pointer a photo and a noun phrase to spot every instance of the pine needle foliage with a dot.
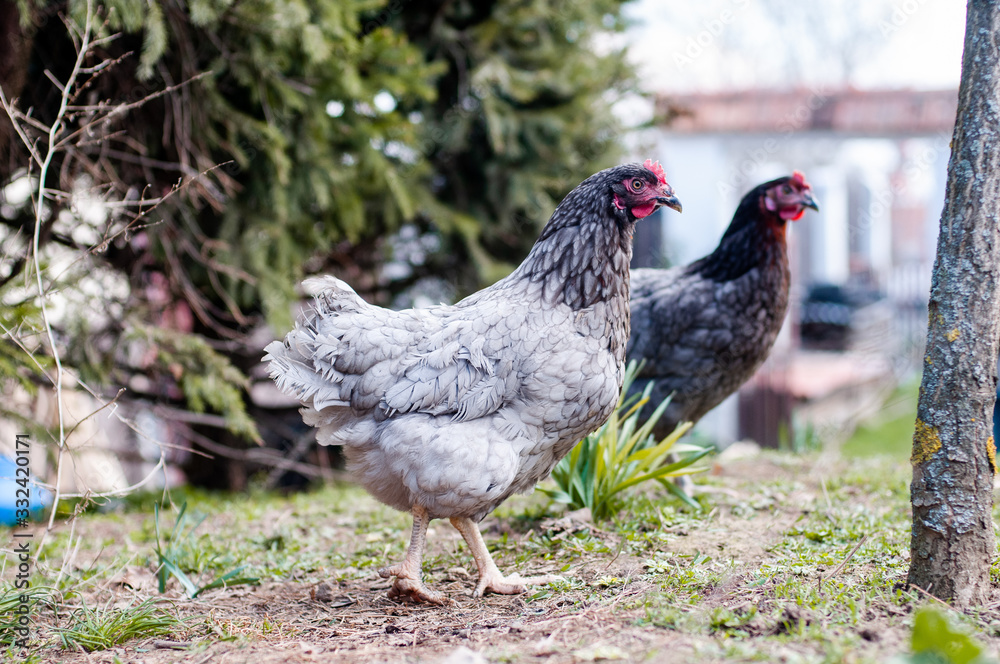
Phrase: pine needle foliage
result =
(522, 114)
(20, 320)
(208, 379)
(622, 454)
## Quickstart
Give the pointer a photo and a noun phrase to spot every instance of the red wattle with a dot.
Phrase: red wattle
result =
(793, 213)
(641, 211)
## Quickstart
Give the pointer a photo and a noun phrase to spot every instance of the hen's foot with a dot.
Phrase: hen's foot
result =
(406, 587)
(495, 582)
(408, 584)
(490, 577)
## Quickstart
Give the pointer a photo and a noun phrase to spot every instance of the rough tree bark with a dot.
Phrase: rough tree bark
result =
(954, 455)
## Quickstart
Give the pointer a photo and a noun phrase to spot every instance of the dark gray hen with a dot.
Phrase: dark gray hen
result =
(447, 411)
(703, 329)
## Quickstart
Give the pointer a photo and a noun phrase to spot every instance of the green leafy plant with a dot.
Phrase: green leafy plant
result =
(106, 627)
(622, 454)
(936, 641)
(11, 608)
(170, 554)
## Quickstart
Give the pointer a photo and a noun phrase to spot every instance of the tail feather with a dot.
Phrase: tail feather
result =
(302, 364)
(295, 375)
(332, 295)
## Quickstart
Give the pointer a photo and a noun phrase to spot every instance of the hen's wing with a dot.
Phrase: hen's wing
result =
(677, 327)
(681, 331)
(376, 362)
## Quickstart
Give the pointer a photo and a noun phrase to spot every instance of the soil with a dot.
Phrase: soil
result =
(354, 621)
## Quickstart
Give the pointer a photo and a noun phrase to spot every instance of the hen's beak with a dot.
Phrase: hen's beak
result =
(808, 201)
(670, 201)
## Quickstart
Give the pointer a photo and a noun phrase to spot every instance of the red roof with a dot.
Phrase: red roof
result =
(871, 112)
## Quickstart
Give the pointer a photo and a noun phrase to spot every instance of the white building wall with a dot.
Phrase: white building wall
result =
(690, 163)
(829, 255)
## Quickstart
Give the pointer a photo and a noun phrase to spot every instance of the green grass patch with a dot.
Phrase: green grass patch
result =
(181, 553)
(108, 626)
(936, 640)
(890, 433)
(12, 601)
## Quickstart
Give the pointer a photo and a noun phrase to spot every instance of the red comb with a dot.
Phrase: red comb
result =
(800, 179)
(657, 169)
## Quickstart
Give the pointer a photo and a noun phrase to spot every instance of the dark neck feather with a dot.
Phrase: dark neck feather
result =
(754, 239)
(582, 256)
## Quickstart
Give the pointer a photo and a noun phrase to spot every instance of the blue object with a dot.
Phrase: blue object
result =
(38, 498)
(996, 416)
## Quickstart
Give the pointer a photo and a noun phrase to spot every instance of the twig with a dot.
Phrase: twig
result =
(621, 547)
(301, 444)
(68, 558)
(265, 457)
(162, 463)
(122, 109)
(130, 225)
(822, 483)
(15, 116)
(17, 342)
(90, 415)
(179, 415)
(42, 174)
(841, 566)
(939, 601)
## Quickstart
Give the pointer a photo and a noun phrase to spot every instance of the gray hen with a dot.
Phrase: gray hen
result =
(447, 411)
(703, 329)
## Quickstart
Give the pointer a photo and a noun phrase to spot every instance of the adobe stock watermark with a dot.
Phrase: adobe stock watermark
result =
(914, 166)
(698, 43)
(22, 545)
(902, 12)
(756, 157)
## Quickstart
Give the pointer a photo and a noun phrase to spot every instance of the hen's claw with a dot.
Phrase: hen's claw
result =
(392, 570)
(490, 577)
(514, 584)
(407, 588)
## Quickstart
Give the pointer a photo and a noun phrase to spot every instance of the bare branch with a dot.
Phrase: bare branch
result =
(122, 109)
(114, 400)
(55, 81)
(52, 148)
(14, 115)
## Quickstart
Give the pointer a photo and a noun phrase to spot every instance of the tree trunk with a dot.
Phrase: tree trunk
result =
(954, 456)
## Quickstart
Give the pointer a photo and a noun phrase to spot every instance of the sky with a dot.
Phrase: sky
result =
(710, 45)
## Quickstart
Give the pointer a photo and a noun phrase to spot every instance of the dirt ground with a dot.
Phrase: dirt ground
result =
(312, 620)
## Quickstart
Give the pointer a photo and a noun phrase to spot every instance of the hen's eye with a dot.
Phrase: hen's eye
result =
(786, 189)
(637, 184)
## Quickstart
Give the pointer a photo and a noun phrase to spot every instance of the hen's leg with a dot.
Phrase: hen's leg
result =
(408, 582)
(490, 577)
